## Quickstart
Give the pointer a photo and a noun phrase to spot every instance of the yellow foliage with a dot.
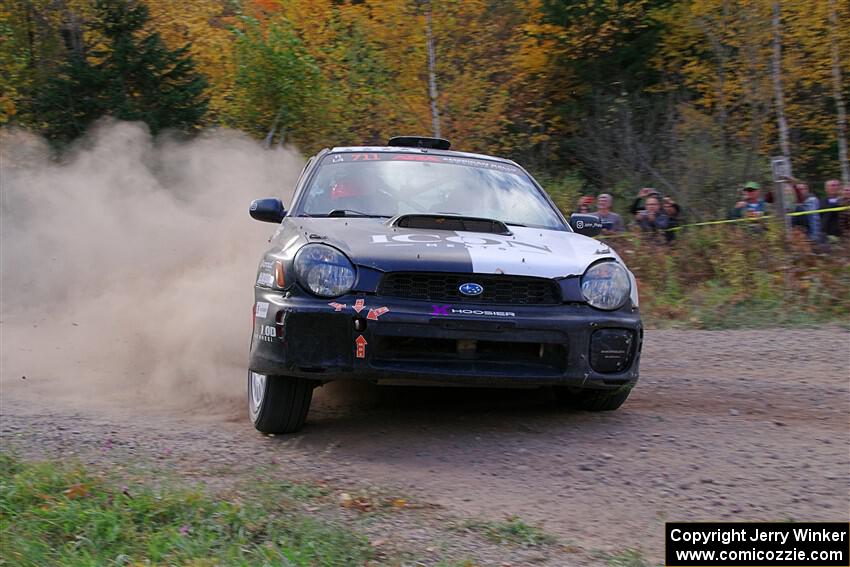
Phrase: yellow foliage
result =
(203, 25)
(721, 50)
(504, 70)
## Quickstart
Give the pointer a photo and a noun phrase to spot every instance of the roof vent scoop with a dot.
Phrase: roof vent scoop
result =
(451, 222)
(419, 142)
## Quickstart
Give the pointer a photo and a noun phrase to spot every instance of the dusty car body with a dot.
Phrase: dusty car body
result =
(412, 263)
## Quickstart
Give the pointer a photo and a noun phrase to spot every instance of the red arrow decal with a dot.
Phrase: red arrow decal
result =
(359, 305)
(337, 306)
(361, 346)
(375, 313)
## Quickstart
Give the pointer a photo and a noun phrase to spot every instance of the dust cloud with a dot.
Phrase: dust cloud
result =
(128, 264)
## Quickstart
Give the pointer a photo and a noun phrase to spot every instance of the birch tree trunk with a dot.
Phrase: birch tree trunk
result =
(779, 98)
(780, 108)
(269, 140)
(841, 115)
(432, 72)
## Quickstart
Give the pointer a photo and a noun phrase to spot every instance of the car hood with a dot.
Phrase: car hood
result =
(375, 244)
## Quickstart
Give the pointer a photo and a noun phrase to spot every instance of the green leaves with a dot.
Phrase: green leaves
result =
(276, 79)
(129, 75)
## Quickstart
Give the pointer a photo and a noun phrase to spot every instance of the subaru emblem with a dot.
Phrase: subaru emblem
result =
(471, 289)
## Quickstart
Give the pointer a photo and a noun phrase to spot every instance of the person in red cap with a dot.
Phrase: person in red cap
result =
(584, 204)
(354, 192)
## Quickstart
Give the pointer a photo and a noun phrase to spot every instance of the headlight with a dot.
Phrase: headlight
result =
(606, 285)
(323, 270)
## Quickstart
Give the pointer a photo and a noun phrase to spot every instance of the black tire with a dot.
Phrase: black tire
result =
(592, 400)
(280, 404)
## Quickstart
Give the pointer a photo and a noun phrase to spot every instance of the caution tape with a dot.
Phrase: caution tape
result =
(745, 219)
(833, 209)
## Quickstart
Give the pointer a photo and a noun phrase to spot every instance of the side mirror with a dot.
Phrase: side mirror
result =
(588, 225)
(267, 210)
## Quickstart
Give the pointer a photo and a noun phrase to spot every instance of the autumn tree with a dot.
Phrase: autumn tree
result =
(35, 39)
(838, 94)
(718, 54)
(371, 81)
(16, 55)
(128, 75)
(206, 28)
(473, 44)
(813, 49)
(591, 94)
(276, 81)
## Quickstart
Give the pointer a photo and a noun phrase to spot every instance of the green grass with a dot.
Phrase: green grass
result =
(56, 514)
(512, 531)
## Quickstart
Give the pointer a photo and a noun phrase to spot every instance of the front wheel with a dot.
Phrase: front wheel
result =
(278, 404)
(591, 400)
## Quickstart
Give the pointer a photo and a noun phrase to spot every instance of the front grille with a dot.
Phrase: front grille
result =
(465, 356)
(498, 289)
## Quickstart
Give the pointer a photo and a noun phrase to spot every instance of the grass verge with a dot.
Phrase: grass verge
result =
(512, 531)
(55, 514)
(721, 277)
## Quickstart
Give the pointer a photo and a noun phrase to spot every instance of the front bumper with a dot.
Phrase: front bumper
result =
(376, 338)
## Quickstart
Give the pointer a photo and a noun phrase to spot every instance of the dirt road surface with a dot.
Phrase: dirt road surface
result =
(724, 425)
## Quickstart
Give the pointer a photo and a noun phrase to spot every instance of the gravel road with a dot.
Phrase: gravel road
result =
(724, 425)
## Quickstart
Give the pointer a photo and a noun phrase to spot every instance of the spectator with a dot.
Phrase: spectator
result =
(844, 216)
(674, 217)
(807, 202)
(611, 222)
(643, 194)
(652, 220)
(751, 205)
(789, 193)
(584, 204)
(829, 221)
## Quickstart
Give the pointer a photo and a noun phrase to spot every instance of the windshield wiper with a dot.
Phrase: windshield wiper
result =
(352, 213)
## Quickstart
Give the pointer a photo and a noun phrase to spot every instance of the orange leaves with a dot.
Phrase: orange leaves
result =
(369, 503)
(73, 492)
(76, 491)
(360, 503)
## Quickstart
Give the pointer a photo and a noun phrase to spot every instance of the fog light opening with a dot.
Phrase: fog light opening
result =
(611, 350)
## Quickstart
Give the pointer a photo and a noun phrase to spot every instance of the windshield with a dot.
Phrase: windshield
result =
(388, 184)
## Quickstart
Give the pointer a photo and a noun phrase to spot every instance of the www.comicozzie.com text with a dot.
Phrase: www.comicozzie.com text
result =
(726, 536)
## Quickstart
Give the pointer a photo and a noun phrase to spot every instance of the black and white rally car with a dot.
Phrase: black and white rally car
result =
(410, 263)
